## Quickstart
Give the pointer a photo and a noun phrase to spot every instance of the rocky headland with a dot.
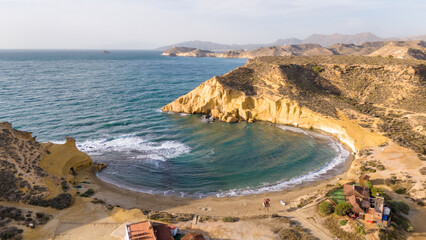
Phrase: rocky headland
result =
(390, 49)
(363, 100)
(37, 173)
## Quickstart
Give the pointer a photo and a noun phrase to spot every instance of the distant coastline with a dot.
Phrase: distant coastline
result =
(390, 49)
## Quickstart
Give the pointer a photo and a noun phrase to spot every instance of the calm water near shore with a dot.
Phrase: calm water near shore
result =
(110, 103)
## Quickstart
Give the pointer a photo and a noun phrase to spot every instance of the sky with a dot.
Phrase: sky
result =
(143, 24)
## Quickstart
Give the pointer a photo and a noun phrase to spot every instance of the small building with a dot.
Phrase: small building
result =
(148, 230)
(367, 208)
(360, 193)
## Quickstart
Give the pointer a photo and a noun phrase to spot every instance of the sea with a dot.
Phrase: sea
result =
(111, 104)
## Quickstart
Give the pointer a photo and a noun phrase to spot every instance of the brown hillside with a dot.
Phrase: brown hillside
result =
(325, 92)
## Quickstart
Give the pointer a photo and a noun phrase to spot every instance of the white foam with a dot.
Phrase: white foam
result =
(339, 159)
(144, 149)
(179, 148)
(292, 129)
(206, 119)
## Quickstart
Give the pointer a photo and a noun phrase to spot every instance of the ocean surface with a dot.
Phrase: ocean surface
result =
(110, 103)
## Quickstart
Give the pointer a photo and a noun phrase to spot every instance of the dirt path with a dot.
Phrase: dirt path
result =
(314, 228)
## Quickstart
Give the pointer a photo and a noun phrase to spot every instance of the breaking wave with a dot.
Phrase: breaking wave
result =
(337, 163)
(141, 148)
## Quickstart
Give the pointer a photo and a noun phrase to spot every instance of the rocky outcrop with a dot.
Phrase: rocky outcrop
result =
(347, 96)
(187, 52)
(100, 166)
(64, 159)
(35, 173)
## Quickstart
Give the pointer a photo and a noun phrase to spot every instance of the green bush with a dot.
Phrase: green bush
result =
(399, 206)
(377, 192)
(342, 209)
(380, 167)
(325, 208)
(318, 69)
(403, 207)
(390, 234)
(88, 193)
(389, 56)
(402, 223)
(367, 184)
(343, 222)
(360, 229)
(400, 190)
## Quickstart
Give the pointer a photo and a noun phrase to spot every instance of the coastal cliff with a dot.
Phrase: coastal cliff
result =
(37, 173)
(355, 98)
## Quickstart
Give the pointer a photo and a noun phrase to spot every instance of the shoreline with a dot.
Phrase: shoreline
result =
(213, 205)
(336, 166)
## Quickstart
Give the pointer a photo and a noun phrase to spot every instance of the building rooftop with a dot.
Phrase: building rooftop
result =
(357, 191)
(148, 231)
(355, 204)
(141, 230)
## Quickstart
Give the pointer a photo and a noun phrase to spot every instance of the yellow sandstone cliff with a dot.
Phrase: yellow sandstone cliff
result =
(64, 158)
(326, 93)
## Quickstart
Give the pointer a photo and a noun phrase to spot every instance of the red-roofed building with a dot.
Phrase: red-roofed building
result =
(148, 230)
(366, 208)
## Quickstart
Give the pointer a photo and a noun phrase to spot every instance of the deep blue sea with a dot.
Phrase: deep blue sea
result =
(110, 103)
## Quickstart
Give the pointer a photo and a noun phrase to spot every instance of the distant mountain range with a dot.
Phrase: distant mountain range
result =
(321, 39)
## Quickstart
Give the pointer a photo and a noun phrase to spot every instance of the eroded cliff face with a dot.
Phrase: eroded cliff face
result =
(233, 106)
(37, 173)
(345, 97)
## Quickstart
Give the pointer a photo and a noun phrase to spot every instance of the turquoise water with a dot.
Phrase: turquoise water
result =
(110, 103)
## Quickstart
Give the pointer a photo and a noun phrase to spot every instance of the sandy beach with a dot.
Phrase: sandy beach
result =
(86, 220)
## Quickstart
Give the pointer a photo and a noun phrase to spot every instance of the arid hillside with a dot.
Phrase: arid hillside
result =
(361, 99)
(37, 173)
(388, 49)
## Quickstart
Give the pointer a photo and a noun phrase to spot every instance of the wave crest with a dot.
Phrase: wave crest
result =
(142, 148)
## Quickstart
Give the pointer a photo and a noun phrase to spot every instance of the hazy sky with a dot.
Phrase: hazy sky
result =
(145, 24)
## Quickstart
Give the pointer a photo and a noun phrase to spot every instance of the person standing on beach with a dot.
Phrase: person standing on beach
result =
(266, 204)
